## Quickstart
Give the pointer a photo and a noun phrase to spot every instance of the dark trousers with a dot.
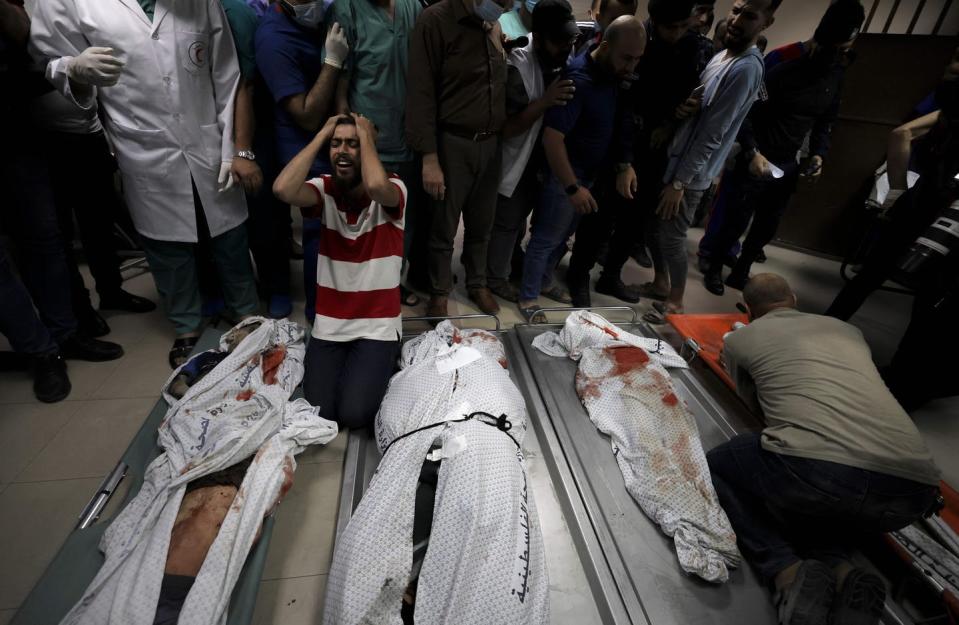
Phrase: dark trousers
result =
(908, 219)
(554, 221)
(620, 222)
(911, 377)
(785, 508)
(348, 379)
(83, 187)
(269, 229)
(764, 200)
(509, 227)
(28, 215)
(472, 173)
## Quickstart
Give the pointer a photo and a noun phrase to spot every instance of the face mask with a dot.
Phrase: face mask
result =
(530, 5)
(309, 15)
(488, 11)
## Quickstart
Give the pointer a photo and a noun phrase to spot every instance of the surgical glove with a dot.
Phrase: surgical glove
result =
(336, 48)
(225, 181)
(95, 66)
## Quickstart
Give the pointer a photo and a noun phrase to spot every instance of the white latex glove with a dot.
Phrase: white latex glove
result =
(225, 181)
(336, 47)
(95, 66)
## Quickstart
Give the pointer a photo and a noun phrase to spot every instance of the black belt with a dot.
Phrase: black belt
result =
(469, 135)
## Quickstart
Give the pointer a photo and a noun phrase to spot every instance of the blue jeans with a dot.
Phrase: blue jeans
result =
(348, 379)
(554, 221)
(786, 508)
(28, 214)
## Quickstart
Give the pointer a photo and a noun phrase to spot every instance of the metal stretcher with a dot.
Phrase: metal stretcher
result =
(79, 559)
(596, 537)
(571, 594)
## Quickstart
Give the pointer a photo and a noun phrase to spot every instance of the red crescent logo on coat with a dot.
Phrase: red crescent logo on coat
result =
(197, 54)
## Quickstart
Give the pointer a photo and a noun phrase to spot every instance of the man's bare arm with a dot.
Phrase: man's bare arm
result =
(900, 148)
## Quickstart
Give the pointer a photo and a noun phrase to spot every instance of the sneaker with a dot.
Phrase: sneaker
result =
(860, 602)
(279, 307)
(128, 302)
(92, 350)
(616, 288)
(808, 600)
(50, 381)
(484, 300)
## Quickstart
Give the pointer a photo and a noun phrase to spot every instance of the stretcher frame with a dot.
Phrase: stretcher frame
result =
(79, 559)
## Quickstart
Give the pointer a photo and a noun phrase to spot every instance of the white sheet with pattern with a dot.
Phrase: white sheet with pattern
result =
(241, 408)
(485, 562)
(623, 383)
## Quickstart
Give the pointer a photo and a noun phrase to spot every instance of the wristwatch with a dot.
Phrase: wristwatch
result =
(572, 189)
(679, 185)
(247, 154)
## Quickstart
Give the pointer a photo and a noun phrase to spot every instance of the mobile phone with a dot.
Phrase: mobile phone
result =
(698, 91)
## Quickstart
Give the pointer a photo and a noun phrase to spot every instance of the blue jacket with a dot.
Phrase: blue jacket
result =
(701, 146)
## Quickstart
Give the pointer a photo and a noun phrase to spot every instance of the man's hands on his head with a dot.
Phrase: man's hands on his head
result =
(583, 201)
(670, 201)
(364, 128)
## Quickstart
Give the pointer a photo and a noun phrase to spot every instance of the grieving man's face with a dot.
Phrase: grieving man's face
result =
(345, 156)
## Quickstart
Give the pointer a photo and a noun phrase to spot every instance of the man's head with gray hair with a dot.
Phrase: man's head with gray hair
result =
(766, 292)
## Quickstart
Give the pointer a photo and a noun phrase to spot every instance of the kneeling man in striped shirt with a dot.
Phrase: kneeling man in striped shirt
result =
(356, 332)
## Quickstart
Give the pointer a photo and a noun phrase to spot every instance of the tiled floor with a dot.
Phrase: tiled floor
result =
(53, 456)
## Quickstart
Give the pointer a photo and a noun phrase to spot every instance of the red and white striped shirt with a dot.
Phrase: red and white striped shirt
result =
(358, 266)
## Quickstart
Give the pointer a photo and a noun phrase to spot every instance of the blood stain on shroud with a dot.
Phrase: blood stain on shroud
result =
(626, 359)
(670, 399)
(245, 394)
(603, 328)
(271, 362)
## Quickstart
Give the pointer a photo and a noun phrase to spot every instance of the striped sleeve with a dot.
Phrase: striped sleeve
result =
(398, 212)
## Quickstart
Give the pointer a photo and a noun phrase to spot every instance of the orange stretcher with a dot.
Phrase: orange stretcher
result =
(708, 331)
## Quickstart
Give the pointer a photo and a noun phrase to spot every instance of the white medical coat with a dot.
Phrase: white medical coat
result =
(170, 116)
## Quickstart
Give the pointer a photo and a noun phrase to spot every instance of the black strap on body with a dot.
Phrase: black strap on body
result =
(501, 423)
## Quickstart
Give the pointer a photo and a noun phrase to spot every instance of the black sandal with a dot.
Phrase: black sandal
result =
(181, 350)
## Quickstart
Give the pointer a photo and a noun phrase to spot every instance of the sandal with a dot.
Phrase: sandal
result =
(181, 350)
(657, 316)
(557, 294)
(531, 312)
(647, 291)
(408, 297)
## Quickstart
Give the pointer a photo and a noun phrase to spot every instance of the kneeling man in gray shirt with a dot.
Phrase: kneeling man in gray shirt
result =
(838, 460)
